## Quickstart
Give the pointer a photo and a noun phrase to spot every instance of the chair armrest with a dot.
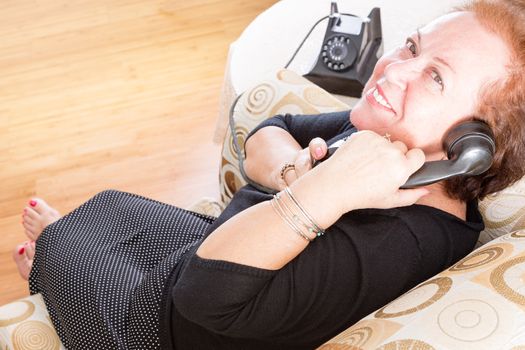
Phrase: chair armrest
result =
(503, 212)
(479, 303)
(287, 92)
(25, 324)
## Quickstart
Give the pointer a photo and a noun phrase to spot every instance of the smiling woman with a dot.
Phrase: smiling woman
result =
(423, 88)
(292, 269)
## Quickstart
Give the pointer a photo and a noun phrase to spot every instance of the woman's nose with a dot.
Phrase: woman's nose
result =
(401, 72)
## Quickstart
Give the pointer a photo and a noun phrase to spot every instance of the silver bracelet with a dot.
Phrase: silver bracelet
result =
(297, 218)
(319, 230)
(280, 211)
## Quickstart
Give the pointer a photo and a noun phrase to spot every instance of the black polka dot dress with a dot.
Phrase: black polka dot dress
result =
(102, 269)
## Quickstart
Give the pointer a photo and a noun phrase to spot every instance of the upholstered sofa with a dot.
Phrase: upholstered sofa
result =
(478, 303)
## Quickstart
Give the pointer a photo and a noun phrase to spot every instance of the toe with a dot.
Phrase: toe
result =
(30, 234)
(30, 230)
(20, 258)
(19, 253)
(29, 224)
(37, 204)
(31, 213)
(28, 220)
(40, 206)
(29, 250)
(22, 262)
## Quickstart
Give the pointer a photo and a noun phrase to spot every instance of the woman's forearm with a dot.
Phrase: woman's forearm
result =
(259, 237)
(365, 172)
(266, 152)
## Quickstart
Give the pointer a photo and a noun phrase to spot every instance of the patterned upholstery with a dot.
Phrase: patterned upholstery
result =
(477, 304)
(287, 93)
(503, 212)
(25, 325)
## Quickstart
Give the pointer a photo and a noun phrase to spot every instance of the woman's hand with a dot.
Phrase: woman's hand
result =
(316, 150)
(365, 172)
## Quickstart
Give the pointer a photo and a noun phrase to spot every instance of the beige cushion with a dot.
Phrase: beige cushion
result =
(503, 212)
(479, 303)
(207, 206)
(25, 325)
(286, 93)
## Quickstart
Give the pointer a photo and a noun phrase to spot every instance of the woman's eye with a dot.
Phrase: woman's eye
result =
(435, 76)
(411, 46)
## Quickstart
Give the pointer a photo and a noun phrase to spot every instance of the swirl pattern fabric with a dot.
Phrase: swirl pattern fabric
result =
(479, 303)
(286, 93)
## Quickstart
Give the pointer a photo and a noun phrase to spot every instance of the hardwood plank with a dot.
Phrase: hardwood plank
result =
(98, 94)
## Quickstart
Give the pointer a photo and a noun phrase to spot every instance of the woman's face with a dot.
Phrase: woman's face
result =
(432, 82)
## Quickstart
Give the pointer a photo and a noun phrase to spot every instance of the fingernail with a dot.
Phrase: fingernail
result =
(21, 251)
(319, 152)
(32, 203)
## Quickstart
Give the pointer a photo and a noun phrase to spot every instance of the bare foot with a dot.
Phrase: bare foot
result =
(37, 216)
(23, 256)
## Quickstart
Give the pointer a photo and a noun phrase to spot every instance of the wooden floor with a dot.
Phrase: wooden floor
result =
(98, 94)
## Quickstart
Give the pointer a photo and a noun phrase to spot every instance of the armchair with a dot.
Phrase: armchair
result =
(479, 303)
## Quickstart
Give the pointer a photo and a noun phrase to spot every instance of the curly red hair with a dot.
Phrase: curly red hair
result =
(502, 104)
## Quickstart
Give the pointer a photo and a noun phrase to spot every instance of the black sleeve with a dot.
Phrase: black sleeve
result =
(335, 281)
(304, 128)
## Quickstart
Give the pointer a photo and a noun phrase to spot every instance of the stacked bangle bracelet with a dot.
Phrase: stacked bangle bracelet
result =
(295, 215)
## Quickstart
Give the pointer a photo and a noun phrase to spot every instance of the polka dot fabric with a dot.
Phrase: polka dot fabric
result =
(102, 269)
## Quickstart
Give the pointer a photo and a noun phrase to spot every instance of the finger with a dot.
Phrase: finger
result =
(416, 159)
(290, 176)
(318, 148)
(303, 162)
(401, 146)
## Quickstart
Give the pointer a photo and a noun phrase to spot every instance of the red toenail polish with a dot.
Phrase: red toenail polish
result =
(21, 251)
(32, 203)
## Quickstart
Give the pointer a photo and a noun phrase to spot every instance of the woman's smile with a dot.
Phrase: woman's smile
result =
(377, 98)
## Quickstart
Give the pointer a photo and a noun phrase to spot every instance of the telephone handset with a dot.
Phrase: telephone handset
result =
(470, 149)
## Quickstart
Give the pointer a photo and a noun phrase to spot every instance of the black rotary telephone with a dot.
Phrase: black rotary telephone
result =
(350, 50)
(470, 150)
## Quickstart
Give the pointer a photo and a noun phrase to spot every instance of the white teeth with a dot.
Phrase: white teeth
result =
(380, 99)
